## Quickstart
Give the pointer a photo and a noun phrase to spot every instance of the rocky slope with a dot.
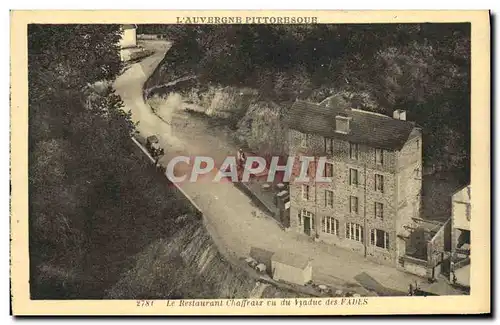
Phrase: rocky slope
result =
(186, 265)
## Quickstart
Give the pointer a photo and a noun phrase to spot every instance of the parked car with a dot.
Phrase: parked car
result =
(153, 146)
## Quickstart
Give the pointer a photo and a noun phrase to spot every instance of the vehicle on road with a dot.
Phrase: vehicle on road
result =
(153, 146)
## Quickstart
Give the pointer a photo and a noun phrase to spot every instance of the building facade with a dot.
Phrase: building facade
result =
(374, 163)
(129, 36)
(460, 236)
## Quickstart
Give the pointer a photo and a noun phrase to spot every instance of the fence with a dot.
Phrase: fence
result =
(460, 264)
(151, 36)
(177, 186)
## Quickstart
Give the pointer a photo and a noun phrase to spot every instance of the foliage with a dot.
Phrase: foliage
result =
(423, 68)
(94, 200)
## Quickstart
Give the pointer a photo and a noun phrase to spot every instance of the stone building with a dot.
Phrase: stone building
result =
(374, 163)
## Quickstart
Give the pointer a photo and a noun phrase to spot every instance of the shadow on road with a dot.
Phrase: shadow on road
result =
(371, 284)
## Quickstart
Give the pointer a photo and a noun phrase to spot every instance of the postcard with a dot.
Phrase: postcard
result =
(250, 162)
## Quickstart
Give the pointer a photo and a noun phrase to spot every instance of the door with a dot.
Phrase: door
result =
(285, 215)
(307, 226)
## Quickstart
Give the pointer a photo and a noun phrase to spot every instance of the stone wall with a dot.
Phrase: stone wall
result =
(409, 184)
(439, 244)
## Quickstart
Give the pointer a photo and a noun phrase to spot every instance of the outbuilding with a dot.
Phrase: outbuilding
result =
(291, 268)
(129, 36)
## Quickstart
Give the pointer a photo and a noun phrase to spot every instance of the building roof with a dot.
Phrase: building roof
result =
(291, 259)
(373, 129)
(129, 26)
(462, 195)
(260, 254)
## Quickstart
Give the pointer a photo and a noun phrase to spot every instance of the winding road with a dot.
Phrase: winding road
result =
(227, 211)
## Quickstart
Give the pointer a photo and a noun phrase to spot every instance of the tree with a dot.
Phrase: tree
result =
(422, 68)
(76, 133)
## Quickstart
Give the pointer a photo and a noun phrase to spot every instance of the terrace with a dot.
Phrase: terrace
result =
(426, 248)
(272, 197)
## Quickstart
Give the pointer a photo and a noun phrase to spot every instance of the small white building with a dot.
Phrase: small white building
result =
(129, 36)
(292, 268)
(460, 236)
(461, 209)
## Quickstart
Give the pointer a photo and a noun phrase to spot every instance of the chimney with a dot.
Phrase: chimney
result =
(342, 123)
(399, 114)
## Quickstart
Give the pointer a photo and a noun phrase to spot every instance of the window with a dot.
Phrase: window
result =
(342, 124)
(308, 169)
(303, 214)
(353, 176)
(328, 198)
(328, 170)
(353, 151)
(379, 238)
(354, 204)
(379, 183)
(329, 146)
(330, 225)
(304, 140)
(354, 231)
(379, 210)
(311, 168)
(305, 192)
(418, 144)
(379, 156)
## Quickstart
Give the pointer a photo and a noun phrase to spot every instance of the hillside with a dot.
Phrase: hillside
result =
(103, 222)
(422, 68)
(184, 265)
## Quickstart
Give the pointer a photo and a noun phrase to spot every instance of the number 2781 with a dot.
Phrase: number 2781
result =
(145, 303)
